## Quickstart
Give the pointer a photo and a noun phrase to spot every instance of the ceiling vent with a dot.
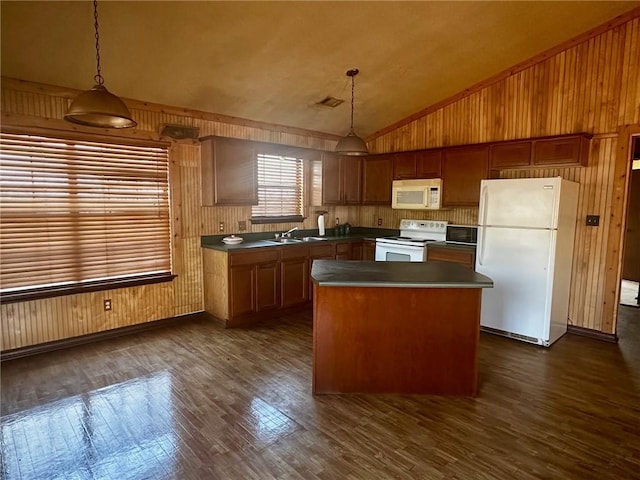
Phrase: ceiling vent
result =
(332, 102)
(178, 132)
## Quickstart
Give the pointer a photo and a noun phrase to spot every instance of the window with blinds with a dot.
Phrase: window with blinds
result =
(280, 189)
(76, 213)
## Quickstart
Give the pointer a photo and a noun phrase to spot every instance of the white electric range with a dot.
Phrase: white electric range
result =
(411, 245)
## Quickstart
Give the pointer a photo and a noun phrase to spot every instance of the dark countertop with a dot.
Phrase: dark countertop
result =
(453, 245)
(333, 273)
(262, 239)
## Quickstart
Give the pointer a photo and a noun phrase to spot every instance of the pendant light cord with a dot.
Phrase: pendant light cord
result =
(98, 78)
(353, 83)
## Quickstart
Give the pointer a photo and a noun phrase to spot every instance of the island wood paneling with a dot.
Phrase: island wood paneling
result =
(591, 86)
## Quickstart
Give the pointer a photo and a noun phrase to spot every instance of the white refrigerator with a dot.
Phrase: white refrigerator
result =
(525, 245)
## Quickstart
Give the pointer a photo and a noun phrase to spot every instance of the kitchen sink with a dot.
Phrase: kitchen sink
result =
(285, 240)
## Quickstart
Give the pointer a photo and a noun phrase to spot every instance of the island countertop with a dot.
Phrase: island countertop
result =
(332, 273)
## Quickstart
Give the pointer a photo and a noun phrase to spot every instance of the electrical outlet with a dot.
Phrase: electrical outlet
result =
(222, 226)
(242, 225)
(379, 222)
(593, 220)
(107, 305)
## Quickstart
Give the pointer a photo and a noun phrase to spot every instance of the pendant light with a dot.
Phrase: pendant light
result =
(352, 144)
(98, 107)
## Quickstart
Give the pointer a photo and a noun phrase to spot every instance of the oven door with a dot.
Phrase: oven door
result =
(388, 252)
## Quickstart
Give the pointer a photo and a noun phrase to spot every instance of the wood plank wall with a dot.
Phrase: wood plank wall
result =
(39, 106)
(592, 87)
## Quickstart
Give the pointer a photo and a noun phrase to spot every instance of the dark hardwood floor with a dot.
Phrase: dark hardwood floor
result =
(199, 402)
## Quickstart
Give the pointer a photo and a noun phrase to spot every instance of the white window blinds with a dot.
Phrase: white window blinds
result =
(73, 212)
(280, 187)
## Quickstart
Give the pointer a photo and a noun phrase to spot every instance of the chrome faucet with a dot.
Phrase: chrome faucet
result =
(287, 234)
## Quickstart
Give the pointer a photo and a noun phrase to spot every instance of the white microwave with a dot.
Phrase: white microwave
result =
(421, 194)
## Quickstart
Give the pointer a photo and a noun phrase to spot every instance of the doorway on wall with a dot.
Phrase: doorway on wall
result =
(630, 278)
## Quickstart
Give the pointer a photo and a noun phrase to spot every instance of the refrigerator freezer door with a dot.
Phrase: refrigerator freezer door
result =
(522, 202)
(519, 262)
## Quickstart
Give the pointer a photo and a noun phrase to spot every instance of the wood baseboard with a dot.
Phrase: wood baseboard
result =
(96, 337)
(587, 332)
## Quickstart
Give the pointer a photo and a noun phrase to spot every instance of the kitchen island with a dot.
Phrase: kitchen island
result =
(396, 327)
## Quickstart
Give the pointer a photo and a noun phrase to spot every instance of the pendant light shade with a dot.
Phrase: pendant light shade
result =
(98, 107)
(352, 144)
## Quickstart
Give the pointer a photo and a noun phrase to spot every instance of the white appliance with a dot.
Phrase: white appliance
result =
(421, 194)
(411, 245)
(525, 245)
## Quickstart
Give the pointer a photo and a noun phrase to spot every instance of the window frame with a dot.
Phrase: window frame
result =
(283, 152)
(123, 281)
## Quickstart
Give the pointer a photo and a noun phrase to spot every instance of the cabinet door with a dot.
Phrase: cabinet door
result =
(369, 250)
(343, 251)
(462, 170)
(229, 172)
(429, 164)
(357, 251)
(324, 251)
(404, 166)
(376, 179)
(294, 281)
(509, 155)
(242, 290)
(331, 179)
(352, 180)
(561, 151)
(267, 287)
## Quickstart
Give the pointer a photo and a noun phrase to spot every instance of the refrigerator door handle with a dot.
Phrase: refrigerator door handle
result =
(483, 205)
(483, 233)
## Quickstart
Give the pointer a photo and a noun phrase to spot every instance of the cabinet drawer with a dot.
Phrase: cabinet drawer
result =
(294, 251)
(455, 255)
(343, 248)
(264, 255)
(324, 250)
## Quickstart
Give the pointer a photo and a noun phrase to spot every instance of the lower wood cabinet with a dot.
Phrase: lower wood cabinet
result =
(253, 282)
(294, 276)
(246, 285)
(369, 250)
(443, 253)
(320, 251)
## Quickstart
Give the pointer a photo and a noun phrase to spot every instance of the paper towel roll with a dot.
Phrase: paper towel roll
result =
(321, 225)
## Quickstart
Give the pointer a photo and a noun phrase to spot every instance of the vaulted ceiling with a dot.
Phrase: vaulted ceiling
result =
(273, 61)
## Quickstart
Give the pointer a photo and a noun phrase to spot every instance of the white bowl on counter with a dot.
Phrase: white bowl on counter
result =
(232, 240)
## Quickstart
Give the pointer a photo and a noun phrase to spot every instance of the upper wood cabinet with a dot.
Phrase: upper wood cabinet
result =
(462, 170)
(341, 179)
(561, 151)
(376, 180)
(229, 172)
(509, 155)
(429, 164)
(418, 164)
(404, 165)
